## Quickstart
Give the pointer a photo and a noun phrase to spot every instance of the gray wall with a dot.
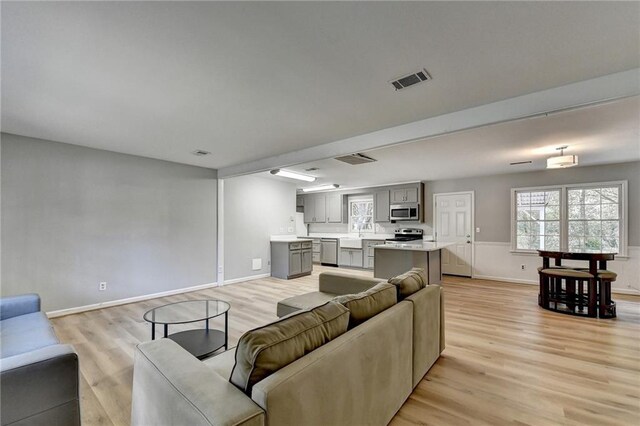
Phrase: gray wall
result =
(75, 216)
(254, 209)
(493, 195)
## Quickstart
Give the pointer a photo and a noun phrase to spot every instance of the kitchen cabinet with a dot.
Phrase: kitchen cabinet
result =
(381, 206)
(299, 200)
(295, 262)
(351, 257)
(306, 260)
(291, 259)
(334, 208)
(404, 195)
(314, 208)
(315, 250)
(369, 252)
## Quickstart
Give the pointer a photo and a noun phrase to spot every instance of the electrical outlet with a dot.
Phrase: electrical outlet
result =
(219, 269)
(523, 266)
(102, 286)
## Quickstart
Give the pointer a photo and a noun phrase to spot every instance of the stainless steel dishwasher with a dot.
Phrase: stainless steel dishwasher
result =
(329, 251)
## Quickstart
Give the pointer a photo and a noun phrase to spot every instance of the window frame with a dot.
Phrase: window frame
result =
(359, 199)
(564, 212)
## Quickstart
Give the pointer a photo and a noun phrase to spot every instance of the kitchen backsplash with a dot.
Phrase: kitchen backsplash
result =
(381, 228)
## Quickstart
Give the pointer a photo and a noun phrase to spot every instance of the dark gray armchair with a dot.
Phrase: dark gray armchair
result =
(38, 375)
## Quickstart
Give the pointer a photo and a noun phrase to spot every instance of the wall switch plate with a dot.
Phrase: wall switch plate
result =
(102, 286)
(478, 230)
(219, 269)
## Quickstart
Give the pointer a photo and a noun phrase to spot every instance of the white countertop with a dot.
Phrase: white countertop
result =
(425, 246)
(288, 239)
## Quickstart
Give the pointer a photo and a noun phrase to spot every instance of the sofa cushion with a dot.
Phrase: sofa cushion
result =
(303, 302)
(369, 303)
(409, 282)
(222, 363)
(25, 333)
(267, 349)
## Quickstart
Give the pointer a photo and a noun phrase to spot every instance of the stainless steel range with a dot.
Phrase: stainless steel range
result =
(404, 235)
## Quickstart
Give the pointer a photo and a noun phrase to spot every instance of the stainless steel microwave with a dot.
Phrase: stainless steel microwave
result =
(406, 211)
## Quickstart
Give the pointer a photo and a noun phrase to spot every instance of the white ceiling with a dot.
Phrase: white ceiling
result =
(607, 133)
(252, 80)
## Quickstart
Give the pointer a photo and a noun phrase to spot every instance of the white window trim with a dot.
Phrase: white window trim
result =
(356, 198)
(564, 208)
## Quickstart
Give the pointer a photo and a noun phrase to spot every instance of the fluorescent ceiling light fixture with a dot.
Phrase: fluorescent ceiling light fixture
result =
(321, 188)
(292, 175)
(562, 161)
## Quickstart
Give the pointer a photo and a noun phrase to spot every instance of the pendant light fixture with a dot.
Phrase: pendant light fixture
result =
(562, 161)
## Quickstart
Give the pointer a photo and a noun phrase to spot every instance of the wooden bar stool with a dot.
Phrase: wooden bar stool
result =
(606, 306)
(569, 295)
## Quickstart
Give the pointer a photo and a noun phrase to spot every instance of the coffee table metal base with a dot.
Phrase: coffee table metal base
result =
(200, 343)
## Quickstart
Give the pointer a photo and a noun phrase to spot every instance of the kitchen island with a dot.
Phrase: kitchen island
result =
(291, 257)
(395, 259)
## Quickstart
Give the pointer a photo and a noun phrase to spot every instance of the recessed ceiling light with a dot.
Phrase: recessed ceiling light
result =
(292, 175)
(321, 188)
(200, 152)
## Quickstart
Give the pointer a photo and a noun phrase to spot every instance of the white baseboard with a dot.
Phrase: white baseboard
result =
(94, 306)
(249, 278)
(506, 280)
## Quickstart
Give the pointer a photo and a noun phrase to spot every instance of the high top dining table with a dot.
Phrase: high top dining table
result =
(597, 260)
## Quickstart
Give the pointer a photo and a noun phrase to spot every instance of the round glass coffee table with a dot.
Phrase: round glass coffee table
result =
(199, 342)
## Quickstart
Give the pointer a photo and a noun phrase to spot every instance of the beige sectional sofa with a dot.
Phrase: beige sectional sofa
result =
(360, 377)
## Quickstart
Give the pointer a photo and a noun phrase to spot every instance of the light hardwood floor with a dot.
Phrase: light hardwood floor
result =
(502, 364)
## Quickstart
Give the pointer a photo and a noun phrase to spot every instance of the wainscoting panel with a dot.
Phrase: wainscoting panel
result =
(494, 261)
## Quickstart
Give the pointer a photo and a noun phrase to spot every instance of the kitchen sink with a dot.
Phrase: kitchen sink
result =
(354, 243)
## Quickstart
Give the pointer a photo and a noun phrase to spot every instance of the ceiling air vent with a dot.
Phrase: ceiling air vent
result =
(355, 159)
(410, 80)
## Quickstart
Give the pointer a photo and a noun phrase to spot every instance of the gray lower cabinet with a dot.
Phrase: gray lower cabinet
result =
(291, 259)
(369, 252)
(295, 262)
(307, 260)
(315, 252)
(351, 257)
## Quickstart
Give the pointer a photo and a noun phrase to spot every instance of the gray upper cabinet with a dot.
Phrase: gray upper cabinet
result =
(299, 200)
(381, 206)
(404, 195)
(334, 208)
(314, 208)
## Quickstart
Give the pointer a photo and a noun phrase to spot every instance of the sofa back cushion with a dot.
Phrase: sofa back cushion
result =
(265, 350)
(368, 303)
(409, 282)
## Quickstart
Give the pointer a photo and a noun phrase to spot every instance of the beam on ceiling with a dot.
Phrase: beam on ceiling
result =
(597, 90)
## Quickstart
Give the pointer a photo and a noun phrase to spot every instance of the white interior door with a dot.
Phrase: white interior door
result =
(453, 217)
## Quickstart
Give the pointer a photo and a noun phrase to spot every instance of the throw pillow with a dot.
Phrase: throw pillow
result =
(369, 303)
(265, 350)
(409, 282)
